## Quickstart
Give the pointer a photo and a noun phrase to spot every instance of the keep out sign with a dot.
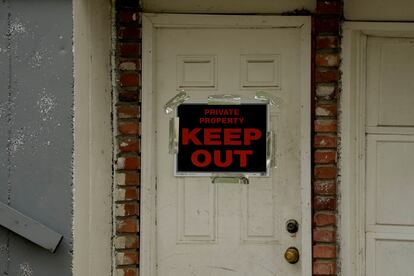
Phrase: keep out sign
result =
(222, 138)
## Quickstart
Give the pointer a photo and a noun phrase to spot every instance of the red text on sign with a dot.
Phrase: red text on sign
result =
(218, 136)
(203, 158)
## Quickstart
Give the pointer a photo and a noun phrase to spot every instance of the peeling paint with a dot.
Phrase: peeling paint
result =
(26, 269)
(3, 109)
(17, 141)
(3, 249)
(46, 103)
(36, 60)
(17, 27)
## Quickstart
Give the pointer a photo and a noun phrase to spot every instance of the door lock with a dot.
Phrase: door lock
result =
(292, 255)
(292, 226)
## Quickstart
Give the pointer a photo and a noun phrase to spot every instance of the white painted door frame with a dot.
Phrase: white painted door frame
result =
(93, 151)
(152, 22)
(352, 133)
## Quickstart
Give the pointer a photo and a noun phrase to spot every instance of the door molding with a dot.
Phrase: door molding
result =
(92, 155)
(150, 24)
(352, 133)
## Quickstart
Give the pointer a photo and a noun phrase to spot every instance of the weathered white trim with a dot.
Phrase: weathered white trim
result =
(93, 138)
(148, 249)
(352, 132)
(305, 87)
(148, 201)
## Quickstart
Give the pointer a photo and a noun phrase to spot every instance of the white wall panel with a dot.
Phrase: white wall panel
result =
(379, 10)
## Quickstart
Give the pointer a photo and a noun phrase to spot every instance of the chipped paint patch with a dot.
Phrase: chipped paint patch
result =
(3, 109)
(17, 27)
(320, 111)
(36, 60)
(121, 163)
(46, 103)
(26, 269)
(3, 249)
(120, 179)
(17, 141)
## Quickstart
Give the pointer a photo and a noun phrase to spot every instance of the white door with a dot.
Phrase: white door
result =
(231, 229)
(390, 157)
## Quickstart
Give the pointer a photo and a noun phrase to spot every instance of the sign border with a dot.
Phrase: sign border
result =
(227, 174)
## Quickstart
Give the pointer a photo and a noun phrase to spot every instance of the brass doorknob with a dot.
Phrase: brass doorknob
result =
(292, 255)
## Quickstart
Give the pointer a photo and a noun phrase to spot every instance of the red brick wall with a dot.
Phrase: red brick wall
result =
(325, 83)
(326, 75)
(127, 124)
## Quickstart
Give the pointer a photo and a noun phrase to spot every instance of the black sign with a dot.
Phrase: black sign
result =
(222, 138)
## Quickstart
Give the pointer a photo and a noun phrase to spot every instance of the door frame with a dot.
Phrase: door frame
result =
(93, 145)
(352, 134)
(150, 23)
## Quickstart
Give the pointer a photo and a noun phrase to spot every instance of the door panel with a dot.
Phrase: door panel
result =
(389, 157)
(229, 229)
(390, 178)
(390, 86)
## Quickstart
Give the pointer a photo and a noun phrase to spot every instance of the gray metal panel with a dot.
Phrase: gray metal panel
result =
(41, 130)
(4, 110)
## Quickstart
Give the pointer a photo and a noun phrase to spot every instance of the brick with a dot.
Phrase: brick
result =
(129, 128)
(330, 25)
(325, 91)
(325, 157)
(324, 251)
(128, 16)
(324, 141)
(132, 178)
(128, 111)
(326, 109)
(322, 219)
(127, 178)
(126, 194)
(129, 144)
(129, 33)
(324, 187)
(325, 172)
(128, 163)
(129, 96)
(127, 272)
(326, 76)
(326, 7)
(127, 225)
(126, 258)
(327, 60)
(325, 126)
(129, 49)
(320, 268)
(129, 80)
(324, 235)
(324, 203)
(126, 242)
(327, 42)
(126, 209)
(129, 65)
